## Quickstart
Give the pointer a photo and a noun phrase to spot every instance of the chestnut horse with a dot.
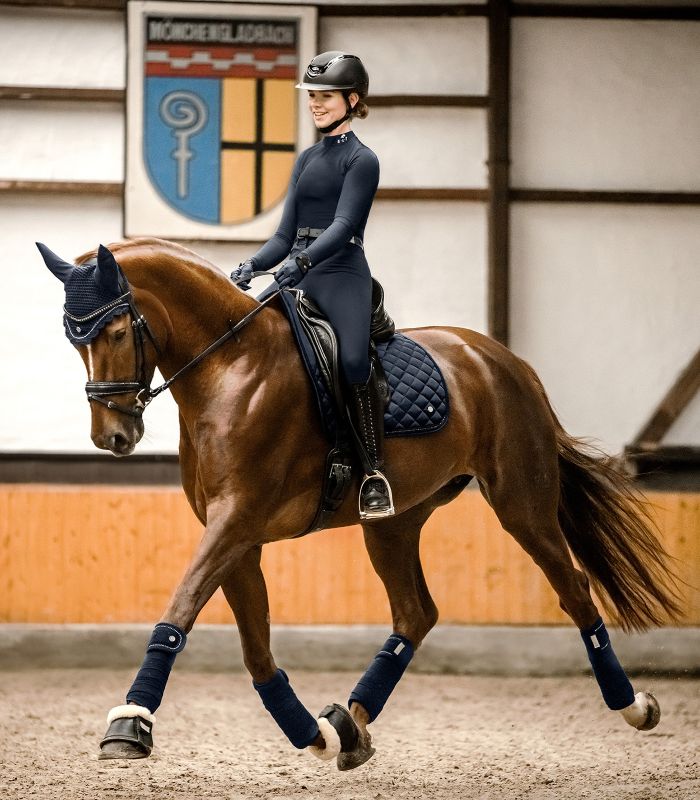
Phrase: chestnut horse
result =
(252, 453)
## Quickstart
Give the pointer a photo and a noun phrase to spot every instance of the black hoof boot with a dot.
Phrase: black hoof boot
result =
(344, 725)
(344, 740)
(128, 737)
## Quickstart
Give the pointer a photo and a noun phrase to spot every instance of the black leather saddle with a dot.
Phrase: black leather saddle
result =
(325, 343)
(414, 390)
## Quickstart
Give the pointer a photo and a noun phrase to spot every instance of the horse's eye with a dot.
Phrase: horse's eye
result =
(120, 334)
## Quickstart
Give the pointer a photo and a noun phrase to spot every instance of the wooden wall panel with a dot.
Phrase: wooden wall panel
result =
(114, 554)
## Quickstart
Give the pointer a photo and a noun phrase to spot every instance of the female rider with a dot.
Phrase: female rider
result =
(320, 236)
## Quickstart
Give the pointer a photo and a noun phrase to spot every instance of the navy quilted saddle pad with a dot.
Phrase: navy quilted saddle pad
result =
(419, 402)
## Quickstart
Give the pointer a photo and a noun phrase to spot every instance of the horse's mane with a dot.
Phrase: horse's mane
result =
(145, 247)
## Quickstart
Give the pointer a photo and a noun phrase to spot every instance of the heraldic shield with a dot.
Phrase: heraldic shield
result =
(220, 114)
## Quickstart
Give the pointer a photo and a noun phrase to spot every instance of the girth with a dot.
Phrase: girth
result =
(314, 233)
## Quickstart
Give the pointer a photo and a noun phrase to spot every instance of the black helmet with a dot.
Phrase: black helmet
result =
(336, 70)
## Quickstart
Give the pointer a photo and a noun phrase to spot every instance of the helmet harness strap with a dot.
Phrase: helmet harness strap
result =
(348, 113)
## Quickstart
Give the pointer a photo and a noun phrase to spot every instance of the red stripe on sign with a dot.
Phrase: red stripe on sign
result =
(263, 62)
(220, 51)
(207, 71)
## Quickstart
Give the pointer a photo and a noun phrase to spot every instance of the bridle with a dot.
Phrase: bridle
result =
(99, 390)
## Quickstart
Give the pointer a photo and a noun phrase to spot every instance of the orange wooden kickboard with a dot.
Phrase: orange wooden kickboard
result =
(94, 554)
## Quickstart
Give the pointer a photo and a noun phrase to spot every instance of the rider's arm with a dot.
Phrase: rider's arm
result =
(276, 248)
(359, 187)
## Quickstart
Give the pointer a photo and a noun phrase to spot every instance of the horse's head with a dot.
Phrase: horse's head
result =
(101, 320)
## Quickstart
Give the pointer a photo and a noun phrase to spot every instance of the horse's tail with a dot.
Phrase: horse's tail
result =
(609, 529)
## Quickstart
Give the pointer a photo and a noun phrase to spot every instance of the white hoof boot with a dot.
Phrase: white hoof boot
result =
(644, 714)
(331, 738)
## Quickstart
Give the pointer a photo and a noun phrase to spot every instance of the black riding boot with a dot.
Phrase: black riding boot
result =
(367, 415)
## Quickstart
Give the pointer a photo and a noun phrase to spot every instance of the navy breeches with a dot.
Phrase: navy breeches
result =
(343, 291)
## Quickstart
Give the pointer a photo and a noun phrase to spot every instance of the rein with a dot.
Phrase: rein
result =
(98, 390)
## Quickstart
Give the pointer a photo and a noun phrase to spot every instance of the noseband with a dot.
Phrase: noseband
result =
(98, 390)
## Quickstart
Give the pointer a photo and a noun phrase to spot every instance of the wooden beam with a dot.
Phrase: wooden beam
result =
(671, 406)
(81, 468)
(469, 194)
(428, 193)
(69, 93)
(664, 467)
(336, 10)
(103, 188)
(421, 100)
(498, 235)
(618, 11)
(78, 93)
(96, 5)
(604, 196)
(405, 10)
(114, 188)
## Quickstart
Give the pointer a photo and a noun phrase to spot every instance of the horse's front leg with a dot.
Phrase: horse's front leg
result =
(245, 590)
(129, 734)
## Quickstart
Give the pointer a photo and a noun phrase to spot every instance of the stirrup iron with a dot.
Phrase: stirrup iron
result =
(369, 513)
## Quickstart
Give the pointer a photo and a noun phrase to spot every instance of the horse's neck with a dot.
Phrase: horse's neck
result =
(193, 304)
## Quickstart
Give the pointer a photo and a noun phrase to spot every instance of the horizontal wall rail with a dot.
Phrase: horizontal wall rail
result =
(112, 188)
(80, 94)
(469, 194)
(578, 10)
(96, 5)
(69, 93)
(617, 11)
(604, 196)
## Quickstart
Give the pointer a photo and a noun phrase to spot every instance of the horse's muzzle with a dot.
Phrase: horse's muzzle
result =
(118, 442)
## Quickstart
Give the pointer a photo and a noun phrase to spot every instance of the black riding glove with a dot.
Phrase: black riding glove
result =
(243, 273)
(292, 272)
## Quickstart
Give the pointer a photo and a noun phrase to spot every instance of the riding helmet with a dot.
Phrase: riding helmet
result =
(336, 70)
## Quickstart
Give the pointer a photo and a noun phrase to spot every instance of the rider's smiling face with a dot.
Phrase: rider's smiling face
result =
(327, 106)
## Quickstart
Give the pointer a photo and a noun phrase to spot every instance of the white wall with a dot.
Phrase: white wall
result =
(601, 104)
(62, 47)
(604, 298)
(606, 309)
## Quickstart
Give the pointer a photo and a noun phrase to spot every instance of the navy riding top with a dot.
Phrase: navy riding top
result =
(332, 186)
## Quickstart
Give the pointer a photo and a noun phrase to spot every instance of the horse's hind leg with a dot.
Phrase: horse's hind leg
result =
(393, 547)
(528, 511)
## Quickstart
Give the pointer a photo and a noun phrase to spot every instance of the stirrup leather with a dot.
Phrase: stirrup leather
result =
(376, 514)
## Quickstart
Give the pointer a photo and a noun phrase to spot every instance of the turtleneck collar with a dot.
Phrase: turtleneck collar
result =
(341, 138)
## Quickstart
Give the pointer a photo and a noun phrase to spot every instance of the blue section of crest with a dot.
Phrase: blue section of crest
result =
(182, 143)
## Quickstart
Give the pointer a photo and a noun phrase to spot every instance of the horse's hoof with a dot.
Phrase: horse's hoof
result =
(130, 733)
(644, 714)
(362, 752)
(121, 750)
(653, 713)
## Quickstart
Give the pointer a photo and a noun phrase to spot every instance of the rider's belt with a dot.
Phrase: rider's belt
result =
(314, 233)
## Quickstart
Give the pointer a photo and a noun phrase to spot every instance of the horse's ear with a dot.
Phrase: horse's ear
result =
(107, 272)
(60, 268)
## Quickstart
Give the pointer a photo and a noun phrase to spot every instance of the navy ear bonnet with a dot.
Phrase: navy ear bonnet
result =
(96, 292)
